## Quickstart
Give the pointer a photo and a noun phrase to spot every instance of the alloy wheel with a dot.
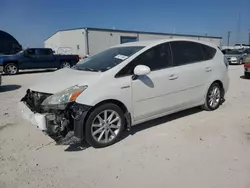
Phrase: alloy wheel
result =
(214, 97)
(106, 126)
(11, 69)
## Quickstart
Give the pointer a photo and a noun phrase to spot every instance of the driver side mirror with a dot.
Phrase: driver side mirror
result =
(141, 70)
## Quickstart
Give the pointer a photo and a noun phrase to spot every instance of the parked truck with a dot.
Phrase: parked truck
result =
(36, 58)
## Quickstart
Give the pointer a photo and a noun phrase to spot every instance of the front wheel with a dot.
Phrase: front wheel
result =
(104, 125)
(214, 97)
(11, 69)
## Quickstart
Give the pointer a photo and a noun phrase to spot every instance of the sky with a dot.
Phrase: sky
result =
(32, 21)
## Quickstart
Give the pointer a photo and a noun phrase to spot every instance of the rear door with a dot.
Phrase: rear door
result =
(193, 71)
(45, 58)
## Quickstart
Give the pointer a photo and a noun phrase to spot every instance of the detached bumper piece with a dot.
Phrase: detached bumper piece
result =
(52, 120)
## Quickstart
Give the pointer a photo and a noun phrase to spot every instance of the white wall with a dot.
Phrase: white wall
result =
(53, 42)
(101, 40)
(68, 41)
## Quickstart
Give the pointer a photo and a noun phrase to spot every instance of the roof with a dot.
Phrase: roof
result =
(150, 43)
(132, 31)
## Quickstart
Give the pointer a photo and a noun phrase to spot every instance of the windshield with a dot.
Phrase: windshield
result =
(107, 59)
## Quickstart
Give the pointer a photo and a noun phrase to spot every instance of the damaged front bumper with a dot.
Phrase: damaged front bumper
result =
(55, 120)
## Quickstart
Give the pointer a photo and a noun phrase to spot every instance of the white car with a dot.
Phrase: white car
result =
(126, 85)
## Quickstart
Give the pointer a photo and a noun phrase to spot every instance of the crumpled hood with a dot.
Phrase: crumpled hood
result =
(64, 78)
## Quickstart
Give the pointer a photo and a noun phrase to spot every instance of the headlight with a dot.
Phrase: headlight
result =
(68, 95)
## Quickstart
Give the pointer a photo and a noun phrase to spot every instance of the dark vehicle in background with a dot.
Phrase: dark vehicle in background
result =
(236, 56)
(8, 44)
(36, 58)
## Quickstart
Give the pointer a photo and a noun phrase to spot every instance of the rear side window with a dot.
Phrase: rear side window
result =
(185, 52)
(208, 52)
(44, 51)
(31, 52)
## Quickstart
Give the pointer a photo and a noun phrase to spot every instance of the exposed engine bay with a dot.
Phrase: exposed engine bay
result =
(59, 119)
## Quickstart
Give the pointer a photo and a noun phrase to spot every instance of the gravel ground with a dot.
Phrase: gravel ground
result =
(193, 148)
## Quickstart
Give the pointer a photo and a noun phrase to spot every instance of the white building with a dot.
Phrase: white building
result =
(88, 41)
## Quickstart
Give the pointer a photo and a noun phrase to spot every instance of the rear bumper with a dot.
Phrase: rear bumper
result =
(247, 70)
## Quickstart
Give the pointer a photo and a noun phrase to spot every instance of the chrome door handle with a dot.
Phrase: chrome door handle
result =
(208, 69)
(172, 77)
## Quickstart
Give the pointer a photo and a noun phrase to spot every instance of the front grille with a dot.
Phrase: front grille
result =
(34, 100)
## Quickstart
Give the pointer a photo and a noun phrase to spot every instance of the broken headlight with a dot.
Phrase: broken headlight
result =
(61, 98)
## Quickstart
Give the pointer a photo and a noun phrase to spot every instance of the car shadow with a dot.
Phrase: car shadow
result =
(6, 88)
(32, 72)
(243, 77)
(161, 120)
(75, 145)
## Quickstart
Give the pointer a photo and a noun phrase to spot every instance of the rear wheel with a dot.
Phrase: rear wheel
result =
(65, 65)
(11, 68)
(104, 125)
(214, 97)
(247, 75)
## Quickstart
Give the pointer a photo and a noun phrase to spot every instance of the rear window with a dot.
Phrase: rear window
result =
(208, 52)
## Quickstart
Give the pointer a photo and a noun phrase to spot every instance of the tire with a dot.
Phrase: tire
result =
(247, 75)
(96, 128)
(65, 64)
(216, 98)
(11, 69)
(240, 61)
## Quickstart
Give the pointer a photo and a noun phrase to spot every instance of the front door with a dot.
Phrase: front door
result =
(29, 59)
(154, 94)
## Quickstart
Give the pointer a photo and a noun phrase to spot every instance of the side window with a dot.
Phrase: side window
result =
(125, 39)
(31, 52)
(44, 52)
(155, 58)
(185, 52)
(208, 52)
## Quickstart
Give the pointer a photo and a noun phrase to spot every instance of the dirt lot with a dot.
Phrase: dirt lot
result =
(193, 148)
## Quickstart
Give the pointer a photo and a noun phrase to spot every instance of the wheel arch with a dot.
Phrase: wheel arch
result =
(120, 104)
(221, 85)
(8, 62)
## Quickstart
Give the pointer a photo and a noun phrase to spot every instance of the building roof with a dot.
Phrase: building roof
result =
(133, 31)
(160, 41)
